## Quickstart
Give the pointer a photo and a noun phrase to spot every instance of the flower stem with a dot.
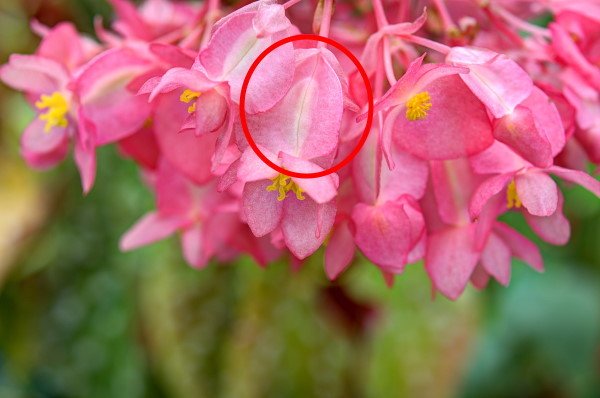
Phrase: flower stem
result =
(439, 47)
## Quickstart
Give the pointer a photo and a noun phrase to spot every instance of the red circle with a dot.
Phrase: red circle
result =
(363, 137)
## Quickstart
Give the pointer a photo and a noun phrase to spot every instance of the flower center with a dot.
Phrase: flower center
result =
(57, 109)
(284, 184)
(512, 198)
(417, 106)
(188, 96)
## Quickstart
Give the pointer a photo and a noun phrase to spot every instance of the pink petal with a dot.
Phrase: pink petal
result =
(486, 190)
(108, 103)
(149, 229)
(577, 177)
(178, 78)
(498, 158)
(452, 182)
(306, 224)
(142, 148)
(252, 168)
(270, 19)
(445, 133)
(33, 74)
(63, 45)
(192, 242)
(520, 131)
(495, 259)
(499, 82)
(383, 234)
(538, 192)
(339, 251)
(555, 228)
(85, 152)
(211, 109)
(43, 150)
(189, 153)
(547, 119)
(520, 246)
(451, 260)
(480, 278)
(262, 209)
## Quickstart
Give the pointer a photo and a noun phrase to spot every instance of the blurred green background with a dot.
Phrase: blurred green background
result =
(80, 319)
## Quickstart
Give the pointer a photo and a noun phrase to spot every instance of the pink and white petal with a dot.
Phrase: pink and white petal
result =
(538, 192)
(383, 234)
(577, 177)
(149, 229)
(445, 133)
(450, 259)
(339, 251)
(486, 190)
(306, 224)
(306, 122)
(521, 247)
(495, 259)
(230, 52)
(499, 82)
(262, 209)
(555, 228)
(520, 131)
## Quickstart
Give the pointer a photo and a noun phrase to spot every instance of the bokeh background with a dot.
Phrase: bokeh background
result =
(80, 319)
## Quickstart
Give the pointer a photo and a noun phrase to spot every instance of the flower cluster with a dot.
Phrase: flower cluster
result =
(487, 107)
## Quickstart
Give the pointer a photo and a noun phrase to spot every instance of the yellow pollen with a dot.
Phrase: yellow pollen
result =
(57, 109)
(417, 106)
(188, 96)
(284, 184)
(512, 198)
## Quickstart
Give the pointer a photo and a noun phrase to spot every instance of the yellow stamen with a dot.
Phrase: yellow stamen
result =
(284, 184)
(57, 106)
(188, 96)
(417, 106)
(512, 198)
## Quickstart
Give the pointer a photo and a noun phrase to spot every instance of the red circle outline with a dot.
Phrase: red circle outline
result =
(244, 123)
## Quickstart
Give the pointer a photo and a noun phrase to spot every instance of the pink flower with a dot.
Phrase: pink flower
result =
(300, 134)
(208, 221)
(528, 188)
(458, 249)
(426, 110)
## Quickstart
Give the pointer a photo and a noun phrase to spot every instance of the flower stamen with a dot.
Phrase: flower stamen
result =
(57, 109)
(283, 184)
(188, 96)
(512, 198)
(417, 106)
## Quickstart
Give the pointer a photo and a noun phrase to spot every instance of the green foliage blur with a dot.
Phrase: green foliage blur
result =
(80, 319)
